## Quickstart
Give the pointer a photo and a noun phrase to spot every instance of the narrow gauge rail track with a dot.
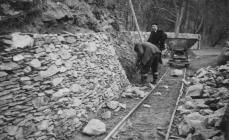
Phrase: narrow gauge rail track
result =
(146, 120)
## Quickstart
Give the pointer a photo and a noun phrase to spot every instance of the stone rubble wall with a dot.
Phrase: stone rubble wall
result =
(124, 47)
(47, 90)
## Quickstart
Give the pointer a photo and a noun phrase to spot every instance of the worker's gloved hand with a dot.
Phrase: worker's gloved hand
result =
(164, 52)
(161, 46)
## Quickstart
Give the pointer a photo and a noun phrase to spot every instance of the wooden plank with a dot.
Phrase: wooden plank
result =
(172, 35)
(183, 35)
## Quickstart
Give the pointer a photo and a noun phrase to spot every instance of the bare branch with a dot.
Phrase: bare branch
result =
(200, 25)
(175, 5)
(168, 19)
(172, 13)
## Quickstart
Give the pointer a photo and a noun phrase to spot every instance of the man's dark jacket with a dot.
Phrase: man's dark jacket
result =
(158, 38)
(146, 51)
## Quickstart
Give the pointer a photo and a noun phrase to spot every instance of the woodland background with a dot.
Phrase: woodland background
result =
(210, 18)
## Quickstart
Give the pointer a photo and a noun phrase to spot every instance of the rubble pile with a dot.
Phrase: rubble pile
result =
(204, 106)
(133, 91)
(47, 89)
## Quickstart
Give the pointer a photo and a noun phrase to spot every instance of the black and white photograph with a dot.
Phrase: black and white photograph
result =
(114, 69)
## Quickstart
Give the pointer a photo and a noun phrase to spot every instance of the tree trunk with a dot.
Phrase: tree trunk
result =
(219, 38)
(205, 24)
(187, 18)
(179, 17)
(200, 26)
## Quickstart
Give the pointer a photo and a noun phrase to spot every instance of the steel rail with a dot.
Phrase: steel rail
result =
(121, 123)
(174, 112)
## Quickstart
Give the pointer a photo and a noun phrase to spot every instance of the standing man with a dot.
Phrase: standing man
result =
(148, 57)
(157, 37)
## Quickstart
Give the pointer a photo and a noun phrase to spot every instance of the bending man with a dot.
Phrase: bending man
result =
(148, 57)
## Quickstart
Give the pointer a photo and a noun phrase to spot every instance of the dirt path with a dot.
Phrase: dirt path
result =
(143, 124)
(116, 116)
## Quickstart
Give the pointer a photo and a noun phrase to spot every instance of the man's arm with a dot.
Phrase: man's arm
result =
(162, 40)
(138, 64)
(164, 36)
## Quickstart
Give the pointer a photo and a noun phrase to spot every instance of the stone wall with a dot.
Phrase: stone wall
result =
(47, 90)
(124, 47)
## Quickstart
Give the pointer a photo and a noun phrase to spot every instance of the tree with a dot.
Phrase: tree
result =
(180, 9)
(210, 18)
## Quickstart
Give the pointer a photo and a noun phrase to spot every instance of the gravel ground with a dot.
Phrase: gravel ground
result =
(116, 116)
(143, 124)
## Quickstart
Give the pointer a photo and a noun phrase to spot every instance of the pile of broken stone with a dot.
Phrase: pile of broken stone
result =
(204, 105)
(50, 82)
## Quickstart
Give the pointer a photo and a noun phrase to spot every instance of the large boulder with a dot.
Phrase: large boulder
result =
(56, 11)
(195, 120)
(21, 41)
(94, 127)
(195, 90)
(184, 129)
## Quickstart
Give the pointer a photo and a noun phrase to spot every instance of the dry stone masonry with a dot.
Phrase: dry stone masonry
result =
(48, 87)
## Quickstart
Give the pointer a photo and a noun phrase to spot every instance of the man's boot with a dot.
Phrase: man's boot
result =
(143, 79)
(154, 81)
(155, 75)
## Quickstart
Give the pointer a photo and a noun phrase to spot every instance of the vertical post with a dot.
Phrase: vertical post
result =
(135, 19)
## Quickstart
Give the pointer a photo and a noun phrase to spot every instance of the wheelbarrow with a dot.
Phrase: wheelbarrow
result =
(178, 48)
